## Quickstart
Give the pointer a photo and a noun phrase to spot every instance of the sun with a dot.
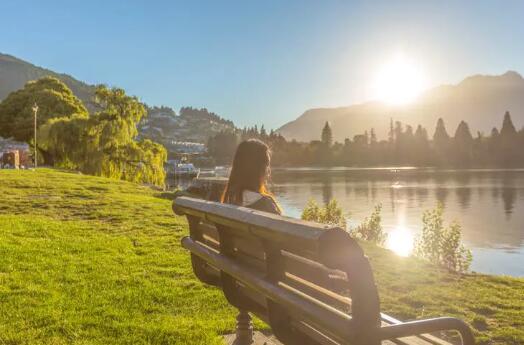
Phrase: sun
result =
(399, 81)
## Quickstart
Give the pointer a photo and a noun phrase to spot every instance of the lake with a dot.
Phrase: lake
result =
(489, 204)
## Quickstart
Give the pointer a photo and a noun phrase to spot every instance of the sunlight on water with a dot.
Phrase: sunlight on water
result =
(396, 185)
(400, 241)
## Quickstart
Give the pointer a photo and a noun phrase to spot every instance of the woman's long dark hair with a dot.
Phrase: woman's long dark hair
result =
(250, 171)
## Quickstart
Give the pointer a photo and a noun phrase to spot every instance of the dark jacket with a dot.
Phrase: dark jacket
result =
(265, 204)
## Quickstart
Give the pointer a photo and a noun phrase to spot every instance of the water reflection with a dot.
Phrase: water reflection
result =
(488, 203)
(400, 240)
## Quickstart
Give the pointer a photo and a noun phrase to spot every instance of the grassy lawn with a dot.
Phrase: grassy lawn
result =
(87, 260)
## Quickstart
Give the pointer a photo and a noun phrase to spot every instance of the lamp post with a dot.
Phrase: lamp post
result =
(35, 111)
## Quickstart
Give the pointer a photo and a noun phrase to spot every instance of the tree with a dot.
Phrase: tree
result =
(462, 145)
(105, 144)
(372, 137)
(508, 129)
(462, 134)
(421, 135)
(327, 135)
(391, 133)
(441, 142)
(54, 100)
(441, 136)
(421, 150)
(111, 146)
(62, 141)
(263, 132)
(222, 146)
(509, 151)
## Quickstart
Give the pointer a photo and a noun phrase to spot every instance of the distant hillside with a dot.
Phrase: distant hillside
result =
(479, 100)
(14, 73)
(162, 125)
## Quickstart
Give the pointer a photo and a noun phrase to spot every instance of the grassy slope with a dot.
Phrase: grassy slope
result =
(88, 260)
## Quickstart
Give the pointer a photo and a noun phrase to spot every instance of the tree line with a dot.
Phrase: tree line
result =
(405, 146)
(103, 143)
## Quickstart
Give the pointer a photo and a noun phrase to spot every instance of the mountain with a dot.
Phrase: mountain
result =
(162, 124)
(14, 73)
(480, 100)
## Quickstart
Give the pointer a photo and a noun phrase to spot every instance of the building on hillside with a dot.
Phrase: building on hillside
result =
(14, 154)
(187, 147)
(10, 160)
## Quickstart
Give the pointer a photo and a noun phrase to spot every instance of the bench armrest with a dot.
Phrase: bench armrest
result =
(418, 327)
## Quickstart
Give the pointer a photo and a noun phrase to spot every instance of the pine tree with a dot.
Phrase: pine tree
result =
(372, 137)
(509, 152)
(327, 135)
(462, 145)
(441, 136)
(263, 132)
(421, 135)
(391, 134)
(462, 134)
(508, 129)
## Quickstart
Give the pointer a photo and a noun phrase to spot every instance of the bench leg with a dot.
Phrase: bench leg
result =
(244, 333)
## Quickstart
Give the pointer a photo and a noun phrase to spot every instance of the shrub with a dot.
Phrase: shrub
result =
(371, 228)
(440, 244)
(331, 213)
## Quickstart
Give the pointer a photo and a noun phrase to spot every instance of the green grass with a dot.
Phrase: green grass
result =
(88, 260)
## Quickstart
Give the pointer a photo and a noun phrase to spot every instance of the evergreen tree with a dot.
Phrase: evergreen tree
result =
(462, 134)
(327, 135)
(508, 129)
(421, 146)
(509, 151)
(399, 129)
(421, 135)
(263, 132)
(391, 133)
(462, 145)
(372, 137)
(441, 136)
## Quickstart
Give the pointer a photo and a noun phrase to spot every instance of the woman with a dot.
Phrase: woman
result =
(249, 174)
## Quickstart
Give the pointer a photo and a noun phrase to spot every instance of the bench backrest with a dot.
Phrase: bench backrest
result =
(311, 283)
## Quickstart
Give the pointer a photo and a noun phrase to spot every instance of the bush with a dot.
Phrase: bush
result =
(331, 213)
(371, 228)
(442, 245)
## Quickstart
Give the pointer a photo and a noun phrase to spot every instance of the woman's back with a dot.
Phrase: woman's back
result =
(260, 202)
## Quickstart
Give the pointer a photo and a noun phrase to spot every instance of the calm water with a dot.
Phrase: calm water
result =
(489, 204)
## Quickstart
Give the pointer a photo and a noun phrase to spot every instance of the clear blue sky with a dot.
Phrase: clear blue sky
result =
(265, 61)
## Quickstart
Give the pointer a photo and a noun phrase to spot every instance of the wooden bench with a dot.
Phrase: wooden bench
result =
(311, 283)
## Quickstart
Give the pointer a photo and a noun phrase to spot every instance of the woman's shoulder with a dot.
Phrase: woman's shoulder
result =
(266, 204)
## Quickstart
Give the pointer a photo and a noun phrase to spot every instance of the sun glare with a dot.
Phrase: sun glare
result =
(399, 81)
(400, 241)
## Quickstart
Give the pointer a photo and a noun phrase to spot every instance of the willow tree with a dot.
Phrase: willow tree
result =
(54, 100)
(110, 141)
(62, 141)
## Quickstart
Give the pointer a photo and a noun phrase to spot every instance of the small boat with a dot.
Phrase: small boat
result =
(186, 170)
(222, 171)
(207, 173)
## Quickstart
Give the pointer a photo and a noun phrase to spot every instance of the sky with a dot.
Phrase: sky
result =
(261, 62)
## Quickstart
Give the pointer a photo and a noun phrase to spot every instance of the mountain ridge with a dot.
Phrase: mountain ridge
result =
(480, 100)
(190, 125)
(15, 72)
